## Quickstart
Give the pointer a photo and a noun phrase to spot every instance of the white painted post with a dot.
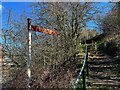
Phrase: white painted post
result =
(29, 52)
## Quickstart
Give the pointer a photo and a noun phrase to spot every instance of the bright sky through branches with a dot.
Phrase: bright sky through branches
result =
(0, 21)
(60, 0)
(19, 7)
(0, 7)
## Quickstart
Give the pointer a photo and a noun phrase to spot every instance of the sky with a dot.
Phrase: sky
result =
(0, 19)
(0, 7)
(18, 7)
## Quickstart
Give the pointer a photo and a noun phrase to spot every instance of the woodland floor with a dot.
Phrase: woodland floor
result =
(103, 74)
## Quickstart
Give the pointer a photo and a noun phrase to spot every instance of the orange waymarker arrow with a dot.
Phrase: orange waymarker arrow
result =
(44, 30)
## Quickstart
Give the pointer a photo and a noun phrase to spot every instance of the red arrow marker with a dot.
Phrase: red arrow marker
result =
(44, 30)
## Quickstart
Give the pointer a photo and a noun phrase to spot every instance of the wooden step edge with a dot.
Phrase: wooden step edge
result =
(105, 75)
(105, 78)
(101, 88)
(90, 57)
(100, 66)
(106, 84)
(99, 62)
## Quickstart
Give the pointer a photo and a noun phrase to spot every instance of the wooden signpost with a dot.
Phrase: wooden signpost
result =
(29, 53)
(36, 29)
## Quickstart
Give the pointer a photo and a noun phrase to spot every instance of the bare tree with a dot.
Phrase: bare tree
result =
(49, 52)
(69, 19)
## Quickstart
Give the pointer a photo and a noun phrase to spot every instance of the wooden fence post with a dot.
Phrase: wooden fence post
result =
(83, 77)
(87, 63)
(29, 53)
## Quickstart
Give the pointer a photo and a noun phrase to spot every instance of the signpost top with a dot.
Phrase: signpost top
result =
(29, 19)
(29, 23)
(41, 29)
